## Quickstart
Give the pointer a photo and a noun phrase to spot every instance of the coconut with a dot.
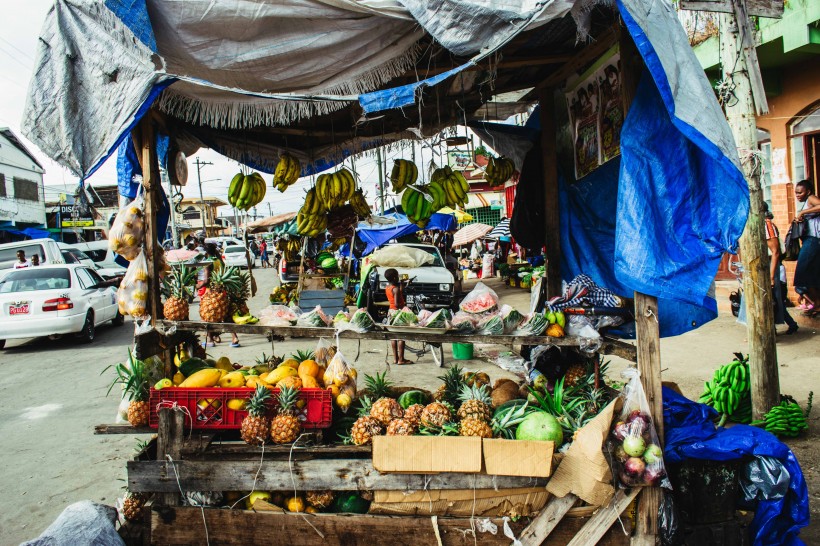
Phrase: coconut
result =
(542, 426)
(504, 391)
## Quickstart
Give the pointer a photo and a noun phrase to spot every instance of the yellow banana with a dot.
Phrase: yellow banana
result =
(293, 171)
(281, 172)
(397, 176)
(236, 182)
(349, 184)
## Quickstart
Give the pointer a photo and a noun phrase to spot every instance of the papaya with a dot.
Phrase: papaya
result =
(207, 377)
(279, 374)
(290, 362)
(232, 380)
(192, 365)
(309, 367)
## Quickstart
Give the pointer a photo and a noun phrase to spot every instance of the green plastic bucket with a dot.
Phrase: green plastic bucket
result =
(462, 351)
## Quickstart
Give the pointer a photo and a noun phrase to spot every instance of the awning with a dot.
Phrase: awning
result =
(460, 215)
(483, 199)
(470, 233)
(500, 230)
(271, 221)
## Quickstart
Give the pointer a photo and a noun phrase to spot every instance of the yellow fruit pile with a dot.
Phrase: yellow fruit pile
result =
(498, 171)
(246, 191)
(287, 172)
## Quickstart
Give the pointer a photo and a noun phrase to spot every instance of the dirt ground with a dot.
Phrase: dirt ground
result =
(52, 394)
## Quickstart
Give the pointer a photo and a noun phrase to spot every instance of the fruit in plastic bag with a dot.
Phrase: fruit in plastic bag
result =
(464, 323)
(633, 440)
(341, 376)
(492, 325)
(315, 318)
(437, 320)
(126, 234)
(132, 295)
(481, 299)
(533, 325)
(511, 318)
(404, 317)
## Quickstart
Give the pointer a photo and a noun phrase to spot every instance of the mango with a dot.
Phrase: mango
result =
(232, 380)
(237, 404)
(162, 383)
(224, 363)
(204, 378)
(279, 374)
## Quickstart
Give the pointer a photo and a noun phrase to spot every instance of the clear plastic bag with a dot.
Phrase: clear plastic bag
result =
(278, 315)
(316, 318)
(634, 444)
(590, 340)
(512, 363)
(668, 519)
(324, 352)
(481, 300)
(132, 296)
(404, 317)
(491, 325)
(126, 234)
(360, 321)
(340, 378)
(464, 323)
(341, 316)
(511, 318)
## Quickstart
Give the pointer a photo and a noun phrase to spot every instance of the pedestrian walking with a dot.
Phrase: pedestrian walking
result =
(254, 250)
(263, 248)
(778, 274)
(807, 272)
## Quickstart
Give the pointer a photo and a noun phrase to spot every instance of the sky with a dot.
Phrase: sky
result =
(19, 31)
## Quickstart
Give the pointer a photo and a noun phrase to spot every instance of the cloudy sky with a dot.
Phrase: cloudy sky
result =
(19, 29)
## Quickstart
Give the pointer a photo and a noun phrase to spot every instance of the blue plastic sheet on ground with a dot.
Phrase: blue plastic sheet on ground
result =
(691, 434)
(377, 235)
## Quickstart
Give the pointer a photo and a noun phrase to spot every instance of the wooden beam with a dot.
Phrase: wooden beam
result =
(600, 522)
(122, 429)
(311, 475)
(750, 55)
(169, 444)
(552, 216)
(547, 520)
(761, 8)
(151, 182)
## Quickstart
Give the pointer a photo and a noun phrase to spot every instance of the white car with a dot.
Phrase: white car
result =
(53, 300)
(236, 256)
(103, 258)
(430, 286)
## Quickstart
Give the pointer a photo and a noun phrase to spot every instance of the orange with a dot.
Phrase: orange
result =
(309, 367)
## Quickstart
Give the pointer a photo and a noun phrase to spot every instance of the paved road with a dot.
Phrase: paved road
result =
(52, 395)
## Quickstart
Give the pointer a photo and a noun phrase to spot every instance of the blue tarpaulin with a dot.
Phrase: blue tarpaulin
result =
(377, 235)
(691, 434)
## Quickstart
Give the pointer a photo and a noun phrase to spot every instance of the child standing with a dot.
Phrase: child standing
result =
(395, 295)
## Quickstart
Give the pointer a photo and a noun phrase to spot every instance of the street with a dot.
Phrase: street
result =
(53, 394)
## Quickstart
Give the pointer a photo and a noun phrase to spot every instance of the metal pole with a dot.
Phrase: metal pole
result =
(381, 177)
(199, 164)
(172, 212)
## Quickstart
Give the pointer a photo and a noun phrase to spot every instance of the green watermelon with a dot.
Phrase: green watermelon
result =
(412, 397)
(328, 263)
(193, 365)
(540, 425)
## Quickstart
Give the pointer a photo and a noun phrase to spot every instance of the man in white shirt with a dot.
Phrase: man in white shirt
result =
(21, 262)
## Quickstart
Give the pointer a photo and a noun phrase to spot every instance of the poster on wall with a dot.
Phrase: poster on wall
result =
(596, 116)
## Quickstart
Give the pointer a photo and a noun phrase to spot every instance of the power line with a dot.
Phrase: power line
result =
(15, 59)
(18, 49)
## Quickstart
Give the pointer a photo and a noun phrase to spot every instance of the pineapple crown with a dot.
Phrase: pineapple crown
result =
(226, 278)
(134, 377)
(453, 376)
(257, 401)
(366, 403)
(240, 291)
(287, 399)
(475, 392)
(301, 356)
(378, 386)
(180, 282)
(447, 429)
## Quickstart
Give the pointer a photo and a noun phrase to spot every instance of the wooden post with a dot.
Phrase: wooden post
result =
(552, 219)
(170, 433)
(757, 292)
(646, 324)
(152, 184)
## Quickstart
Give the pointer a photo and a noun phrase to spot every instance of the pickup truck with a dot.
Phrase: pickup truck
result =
(430, 286)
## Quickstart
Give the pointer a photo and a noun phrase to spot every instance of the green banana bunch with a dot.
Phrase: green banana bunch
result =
(453, 183)
(498, 171)
(246, 191)
(287, 172)
(404, 173)
(417, 205)
(786, 419)
(729, 391)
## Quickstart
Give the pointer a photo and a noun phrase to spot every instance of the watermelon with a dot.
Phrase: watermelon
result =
(329, 263)
(362, 320)
(511, 318)
(412, 397)
(540, 425)
(350, 503)
(404, 317)
(534, 325)
(340, 317)
(315, 318)
(492, 325)
(193, 365)
(480, 300)
(437, 320)
(464, 323)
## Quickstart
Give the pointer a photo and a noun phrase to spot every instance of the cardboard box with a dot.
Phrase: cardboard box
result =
(427, 454)
(518, 457)
(461, 502)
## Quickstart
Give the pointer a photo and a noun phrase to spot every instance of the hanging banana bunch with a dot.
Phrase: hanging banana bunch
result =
(359, 204)
(453, 185)
(287, 172)
(334, 190)
(404, 173)
(246, 191)
(311, 220)
(499, 171)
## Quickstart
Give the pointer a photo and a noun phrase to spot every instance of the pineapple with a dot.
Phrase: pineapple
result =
(213, 306)
(401, 427)
(435, 415)
(385, 410)
(475, 403)
(179, 285)
(135, 380)
(365, 426)
(475, 427)
(575, 374)
(319, 499)
(285, 427)
(133, 505)
(256, 425)
(239, 294)
(379, 386)
(449, 391)
(413, 414)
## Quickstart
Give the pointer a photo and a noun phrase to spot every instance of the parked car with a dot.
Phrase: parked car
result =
(430, 286)
(223, 241)
(47, 249)
(103, 258)
(73, 255)
(236, 256)
(54, 300)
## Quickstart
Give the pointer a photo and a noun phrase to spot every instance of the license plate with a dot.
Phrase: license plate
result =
(21, 309)
(411, 299)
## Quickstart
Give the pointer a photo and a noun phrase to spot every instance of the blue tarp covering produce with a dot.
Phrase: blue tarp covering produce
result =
(377, 235)
(691, 434)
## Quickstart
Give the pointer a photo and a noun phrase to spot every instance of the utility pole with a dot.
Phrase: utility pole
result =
(269, 210)
(737, 54)
(172, 212)
(199, 164)
(381, 177)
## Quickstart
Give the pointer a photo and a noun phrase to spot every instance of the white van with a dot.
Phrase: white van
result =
(47, 249)
(101, 256)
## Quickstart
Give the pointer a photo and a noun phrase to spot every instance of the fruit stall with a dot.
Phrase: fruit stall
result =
(244, 451)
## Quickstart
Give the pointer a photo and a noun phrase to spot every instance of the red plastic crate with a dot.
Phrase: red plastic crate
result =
(208, 408)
